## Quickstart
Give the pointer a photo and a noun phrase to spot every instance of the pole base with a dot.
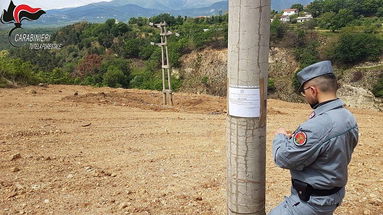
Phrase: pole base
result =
(168, 97)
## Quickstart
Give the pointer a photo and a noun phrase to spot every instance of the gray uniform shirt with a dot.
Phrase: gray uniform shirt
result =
(320, 150)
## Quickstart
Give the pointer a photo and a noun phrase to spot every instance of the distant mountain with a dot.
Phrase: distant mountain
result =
(150, 4)
(123, 10)
(95, 13)
(172, 4)
(214, 9)
(188, 4)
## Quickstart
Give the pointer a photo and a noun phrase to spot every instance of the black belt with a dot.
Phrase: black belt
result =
(317, 192)
(305, 190)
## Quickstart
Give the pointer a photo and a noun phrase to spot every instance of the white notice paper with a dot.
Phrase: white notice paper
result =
(244, 102)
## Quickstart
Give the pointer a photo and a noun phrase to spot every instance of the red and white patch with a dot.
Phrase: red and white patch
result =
(300, 138)
(312, 115)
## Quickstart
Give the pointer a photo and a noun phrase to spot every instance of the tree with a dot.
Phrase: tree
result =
(120, 63)
(17, 71)
(169, 19)
(110, 23)
(119, 29)
(70, 34)
(277, 30)
(297, 6)
(132, 48)
(342, 18)
(353, 48)
(306, 51)
(335, 21)
(368, 7)
(316, 8)
(105, 39)
(114, 77)
(46, 60)
(358, 7)
(175, 53)
(89, 65)
(139, 21)
(379, 12)
(146, 51)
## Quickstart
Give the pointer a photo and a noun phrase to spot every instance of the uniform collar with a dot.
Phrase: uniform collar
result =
(328, 105)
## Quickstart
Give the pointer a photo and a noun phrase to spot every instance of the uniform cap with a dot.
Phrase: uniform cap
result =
(313, 71)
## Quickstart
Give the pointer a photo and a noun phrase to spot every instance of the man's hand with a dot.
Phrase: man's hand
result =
(284, 132)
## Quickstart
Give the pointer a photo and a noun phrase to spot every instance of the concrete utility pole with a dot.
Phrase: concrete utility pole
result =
(166, 78)
(249, 30)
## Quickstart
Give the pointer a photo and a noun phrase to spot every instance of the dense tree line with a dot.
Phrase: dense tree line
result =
(356, 7)
(101, 54)
(335, 14)
(119, 54)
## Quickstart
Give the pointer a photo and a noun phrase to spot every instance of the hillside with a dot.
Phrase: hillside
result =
(206, 72)
(120, 54)
(117, 151)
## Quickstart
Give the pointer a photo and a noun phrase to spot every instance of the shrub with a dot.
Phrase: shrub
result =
(271, 86)
(148, 80)
(306, 51)
(89, 65)
(120, 63)
(353, 48)
(205, 80)
(132, 48)
(114, 77)
(380, 12)
(277, 30)
(310, 25)
(17, 71)
(57, 76)
(3, 82)
(308, 54)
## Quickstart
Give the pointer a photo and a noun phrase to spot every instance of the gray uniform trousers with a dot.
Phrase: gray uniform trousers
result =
(292, 205)
(318, 153)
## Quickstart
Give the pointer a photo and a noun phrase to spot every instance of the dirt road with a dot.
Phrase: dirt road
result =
(115, 151)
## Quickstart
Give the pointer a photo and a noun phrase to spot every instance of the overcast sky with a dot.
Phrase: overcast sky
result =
(48, 4)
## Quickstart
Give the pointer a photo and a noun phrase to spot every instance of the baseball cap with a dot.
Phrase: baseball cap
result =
(313, 71)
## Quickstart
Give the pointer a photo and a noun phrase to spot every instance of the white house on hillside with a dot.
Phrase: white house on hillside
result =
(305, 18)
(285, 18)
(290, 12)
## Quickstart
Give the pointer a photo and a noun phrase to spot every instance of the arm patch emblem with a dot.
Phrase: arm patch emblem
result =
(300, 138)
(312, 115)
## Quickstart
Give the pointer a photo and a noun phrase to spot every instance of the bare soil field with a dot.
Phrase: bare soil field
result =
(83, 150)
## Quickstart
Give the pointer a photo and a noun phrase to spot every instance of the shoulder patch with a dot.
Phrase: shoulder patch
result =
(300, 138)
(312, 115)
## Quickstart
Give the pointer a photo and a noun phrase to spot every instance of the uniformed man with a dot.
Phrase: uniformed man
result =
(318, 152)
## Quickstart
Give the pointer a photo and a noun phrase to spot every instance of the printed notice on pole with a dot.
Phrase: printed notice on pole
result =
(244, 102)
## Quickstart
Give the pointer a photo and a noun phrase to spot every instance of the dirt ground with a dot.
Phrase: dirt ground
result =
(115, 151)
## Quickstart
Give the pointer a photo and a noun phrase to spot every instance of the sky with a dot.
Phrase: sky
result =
(48, 4)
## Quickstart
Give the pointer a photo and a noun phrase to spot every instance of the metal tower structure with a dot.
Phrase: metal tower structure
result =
(166, 74)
